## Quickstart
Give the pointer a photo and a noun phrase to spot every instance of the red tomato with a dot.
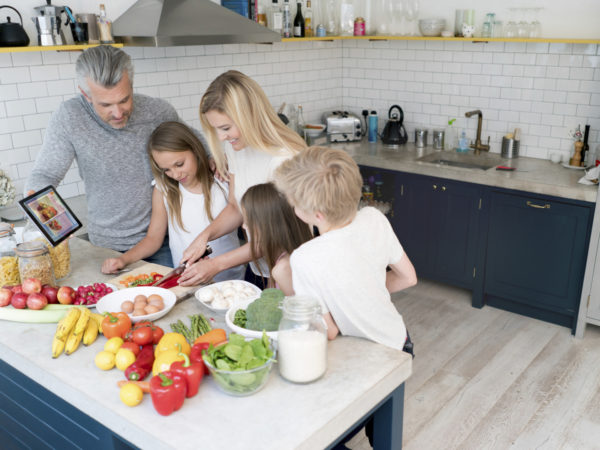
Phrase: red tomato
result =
(157, 333)
(142, 335)
(142, 323)
(132, 346)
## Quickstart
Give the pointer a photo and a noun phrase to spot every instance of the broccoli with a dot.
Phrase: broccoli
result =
(240, 318)
(265, 313)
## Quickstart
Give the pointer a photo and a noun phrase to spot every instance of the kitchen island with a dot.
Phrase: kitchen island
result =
(361, 377)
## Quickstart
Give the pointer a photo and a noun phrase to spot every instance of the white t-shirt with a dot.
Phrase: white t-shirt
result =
(252, 167)
(195, 221)
(345, 269)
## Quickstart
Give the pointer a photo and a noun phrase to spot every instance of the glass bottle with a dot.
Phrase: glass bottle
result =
(9, 268)
(275, 17)
(301, 124)
(308, 20)
(105, 27)
(302, 340)
(287, 20)
(35, 262)
(299, 22)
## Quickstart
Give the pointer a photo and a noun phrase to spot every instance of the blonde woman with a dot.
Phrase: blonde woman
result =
(248, 142)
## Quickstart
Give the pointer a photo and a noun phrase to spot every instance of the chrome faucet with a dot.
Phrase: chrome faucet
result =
(478, 146)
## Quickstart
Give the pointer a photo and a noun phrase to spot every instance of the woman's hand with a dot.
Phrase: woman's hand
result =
(111, 265)
(195, 250)
(200, 272)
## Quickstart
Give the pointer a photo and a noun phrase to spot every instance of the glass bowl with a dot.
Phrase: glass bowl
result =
(432, 27)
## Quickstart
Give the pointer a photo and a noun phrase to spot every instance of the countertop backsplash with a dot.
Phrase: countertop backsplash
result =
(546, 89)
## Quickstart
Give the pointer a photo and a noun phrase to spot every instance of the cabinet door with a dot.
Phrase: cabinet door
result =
(536, 253)
(454, 245)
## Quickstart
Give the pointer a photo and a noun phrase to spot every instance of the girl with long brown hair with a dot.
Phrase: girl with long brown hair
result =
(185, 200)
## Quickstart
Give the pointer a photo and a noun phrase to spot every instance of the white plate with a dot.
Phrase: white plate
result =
(568, 166)
(230, 315)
(112, 302)
(222, 285)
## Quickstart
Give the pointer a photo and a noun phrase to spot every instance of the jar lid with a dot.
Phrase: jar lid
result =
(32, 248)
(298, 306)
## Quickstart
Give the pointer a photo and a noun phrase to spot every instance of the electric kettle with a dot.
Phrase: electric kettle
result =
(394, 133)
(13, 34)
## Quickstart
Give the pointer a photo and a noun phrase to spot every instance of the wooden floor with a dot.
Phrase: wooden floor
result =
(489, 379)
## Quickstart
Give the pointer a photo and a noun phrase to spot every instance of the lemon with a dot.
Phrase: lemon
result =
(131, 394)
(124, 358)
(113, 344)
(105, 360)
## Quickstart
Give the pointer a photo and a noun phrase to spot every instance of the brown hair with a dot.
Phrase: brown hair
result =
(272, 225)
(241, 99)
(322, 179)
(176, 137)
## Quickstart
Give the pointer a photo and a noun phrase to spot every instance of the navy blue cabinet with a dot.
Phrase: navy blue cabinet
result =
(536, 254)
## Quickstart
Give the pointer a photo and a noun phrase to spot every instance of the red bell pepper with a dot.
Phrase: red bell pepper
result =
(196, 354)
(142, 365)
(192, 373)
(171, 282)
(167, 391)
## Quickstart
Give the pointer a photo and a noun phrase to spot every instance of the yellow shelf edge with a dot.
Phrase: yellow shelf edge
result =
(47, 48)
(451, 39)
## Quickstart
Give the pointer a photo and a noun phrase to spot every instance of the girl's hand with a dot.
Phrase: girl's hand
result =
(201, 272)
(195, 250)
(111, 265)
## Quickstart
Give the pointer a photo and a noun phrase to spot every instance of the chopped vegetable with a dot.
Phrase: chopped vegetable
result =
(142, 279)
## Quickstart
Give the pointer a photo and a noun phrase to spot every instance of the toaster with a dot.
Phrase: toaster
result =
(343, 126)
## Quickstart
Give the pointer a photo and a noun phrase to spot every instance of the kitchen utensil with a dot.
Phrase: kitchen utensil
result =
(48, 24)
(13, 34)
(438, 139)
(92, 26)
(420, 137)
(393, 133)
(80, 32)
(179, 269)
(343, 126)
(510, 147)
(432, 27)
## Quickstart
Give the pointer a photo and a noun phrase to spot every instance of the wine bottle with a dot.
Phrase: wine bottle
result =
(299, 22)
(287, 23)
(308, 25)
(586, 147)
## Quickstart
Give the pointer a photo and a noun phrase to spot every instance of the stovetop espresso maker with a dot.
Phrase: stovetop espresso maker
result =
(48, 24)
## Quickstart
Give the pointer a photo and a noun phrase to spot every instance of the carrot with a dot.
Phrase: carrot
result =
(144, 385)
(214, 337)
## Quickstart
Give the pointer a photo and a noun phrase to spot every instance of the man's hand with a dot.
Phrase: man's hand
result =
(201, 272)
(111, 265)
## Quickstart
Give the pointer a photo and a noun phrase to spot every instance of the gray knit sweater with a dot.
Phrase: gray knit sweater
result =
(112, 162)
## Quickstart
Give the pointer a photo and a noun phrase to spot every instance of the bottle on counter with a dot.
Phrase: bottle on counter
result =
(287, 20)
(373, 126)
(299, 22)
(586, 147)
(105, 27)
(302, 340)
(308, 18)
(450, 138)
(463, 142)
(275, 17)
(301, 123)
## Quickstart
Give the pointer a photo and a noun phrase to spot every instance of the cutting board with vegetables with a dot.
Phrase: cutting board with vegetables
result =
(125, 278)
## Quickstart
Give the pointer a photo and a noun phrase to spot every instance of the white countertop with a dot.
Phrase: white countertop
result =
(531, 174)
(280, 416)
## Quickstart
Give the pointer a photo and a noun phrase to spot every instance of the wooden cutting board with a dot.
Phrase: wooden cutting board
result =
(180, 291)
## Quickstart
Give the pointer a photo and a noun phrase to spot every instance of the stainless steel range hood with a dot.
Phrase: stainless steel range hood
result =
(163, 23)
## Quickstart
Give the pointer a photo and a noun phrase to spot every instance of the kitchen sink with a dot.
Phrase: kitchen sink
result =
(464, 160)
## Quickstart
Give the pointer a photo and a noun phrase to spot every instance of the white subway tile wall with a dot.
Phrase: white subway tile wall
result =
(545, 89)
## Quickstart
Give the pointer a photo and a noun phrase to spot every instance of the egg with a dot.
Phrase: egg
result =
(139, 312)
(127, 307)
(140, 298)
(151, 309)
(154, 297)
(156, 302)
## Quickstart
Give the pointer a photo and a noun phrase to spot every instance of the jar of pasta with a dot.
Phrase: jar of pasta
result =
(35, 262)
(60, 255)
(9, 269)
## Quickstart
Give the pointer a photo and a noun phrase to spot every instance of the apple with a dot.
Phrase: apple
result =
(31, 285)
(18, 289)
(65, 295)
(19, 300)
(51, 293)
(36, 301)
(5, 296)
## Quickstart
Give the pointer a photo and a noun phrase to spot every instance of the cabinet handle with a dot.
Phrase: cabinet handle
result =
(443, 188)
(435, 187)
(533, 205)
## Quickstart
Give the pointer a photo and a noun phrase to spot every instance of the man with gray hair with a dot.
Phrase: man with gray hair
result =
(106, 129)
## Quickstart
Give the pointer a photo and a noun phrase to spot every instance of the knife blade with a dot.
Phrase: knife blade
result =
(179, 269)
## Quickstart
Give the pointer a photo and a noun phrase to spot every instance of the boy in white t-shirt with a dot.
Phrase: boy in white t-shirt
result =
(345, 268)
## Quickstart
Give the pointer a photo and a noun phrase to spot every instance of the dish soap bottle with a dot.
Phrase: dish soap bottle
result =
(463, 143)
(450, 136)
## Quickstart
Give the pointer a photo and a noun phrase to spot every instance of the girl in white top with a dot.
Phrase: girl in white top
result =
(185, 200)
(248, 141)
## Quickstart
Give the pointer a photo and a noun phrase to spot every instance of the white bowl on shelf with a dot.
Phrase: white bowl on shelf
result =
(112, 302)
(432, 27)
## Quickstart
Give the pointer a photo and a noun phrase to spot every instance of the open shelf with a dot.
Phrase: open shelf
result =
(457, 39)
(47, 48)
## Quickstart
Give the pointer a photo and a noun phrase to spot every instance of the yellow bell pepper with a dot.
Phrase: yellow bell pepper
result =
(172, 341)
(164, 360)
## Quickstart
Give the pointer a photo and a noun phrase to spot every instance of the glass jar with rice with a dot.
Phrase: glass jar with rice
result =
(35, 262)
(9, 268)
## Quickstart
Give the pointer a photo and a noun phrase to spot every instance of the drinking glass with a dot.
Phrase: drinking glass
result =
(535, 27)
(412, 12)
(510, 31)
(386, 13)
(397, 28)
(523, 26)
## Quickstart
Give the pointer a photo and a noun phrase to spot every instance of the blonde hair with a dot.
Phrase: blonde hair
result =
(241, 99)
(273, 227)
(322, 179)
(176, 137)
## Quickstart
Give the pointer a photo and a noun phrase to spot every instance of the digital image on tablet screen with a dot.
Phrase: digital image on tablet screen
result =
(51, 214)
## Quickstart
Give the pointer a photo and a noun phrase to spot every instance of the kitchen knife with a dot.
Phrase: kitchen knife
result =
(179, 269)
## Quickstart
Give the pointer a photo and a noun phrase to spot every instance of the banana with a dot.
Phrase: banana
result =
(82, 321)
(98, 318)
(57, 347)
(66, 325)
(73, 342)
(91, 332)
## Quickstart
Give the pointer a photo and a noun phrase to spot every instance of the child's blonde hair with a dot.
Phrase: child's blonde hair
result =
(177, 137)
(322, 179)
(241, 99)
